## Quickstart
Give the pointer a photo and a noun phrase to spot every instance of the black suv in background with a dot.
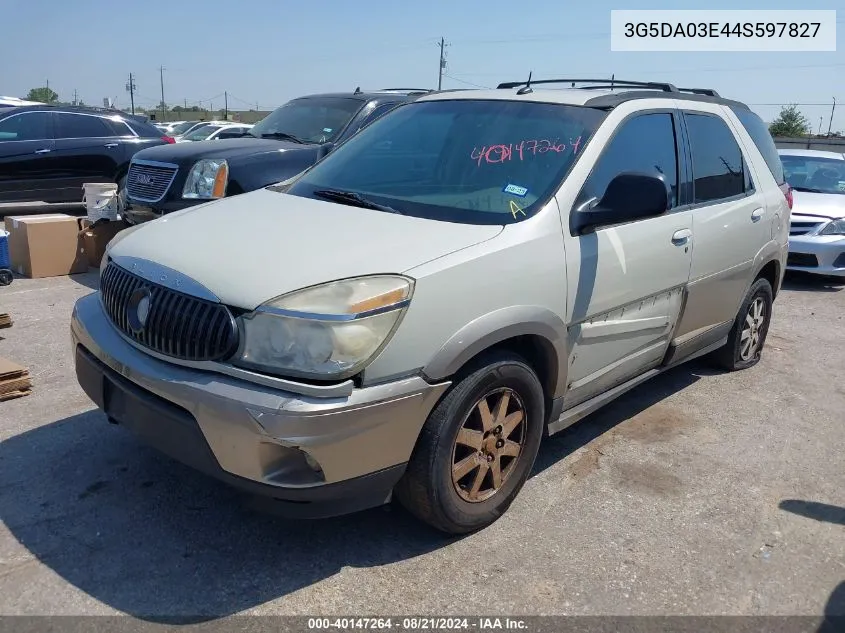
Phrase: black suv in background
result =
(48, 152)
(287, 141)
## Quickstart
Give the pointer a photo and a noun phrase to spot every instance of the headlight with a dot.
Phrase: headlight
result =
(837, 227)
(324, 332)
(207, 179)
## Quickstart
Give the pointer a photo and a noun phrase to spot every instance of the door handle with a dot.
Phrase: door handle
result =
(42, 151)
(110, 145)
(757, 214)
(681, 237)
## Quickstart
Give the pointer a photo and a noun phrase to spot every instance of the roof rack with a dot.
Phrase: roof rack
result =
(525, 86)
(404, 90)
(708, 92)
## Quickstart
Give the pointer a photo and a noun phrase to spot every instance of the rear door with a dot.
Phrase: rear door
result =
(626, 282)
(27, 169)
(87, 149)
(731, 224)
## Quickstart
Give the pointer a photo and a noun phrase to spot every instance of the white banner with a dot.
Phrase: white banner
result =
(712, 30)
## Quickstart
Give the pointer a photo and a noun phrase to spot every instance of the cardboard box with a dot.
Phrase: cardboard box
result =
(45, 245)
(94, 239)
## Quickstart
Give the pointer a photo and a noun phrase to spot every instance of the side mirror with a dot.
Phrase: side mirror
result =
(629, 196)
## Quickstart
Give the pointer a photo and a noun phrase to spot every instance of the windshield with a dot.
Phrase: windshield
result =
(476, 162)
(814, 173)
(313, 119)
(201, 133)
(181, 128)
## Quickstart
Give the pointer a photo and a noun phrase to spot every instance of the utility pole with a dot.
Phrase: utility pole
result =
(130, 88)
(161, 76)
(186, 103)
(75, 99)
(821, 119)
(225, 106)
(442, 63)
(832, 110)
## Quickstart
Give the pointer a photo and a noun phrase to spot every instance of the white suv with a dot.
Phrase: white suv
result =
(416, 311)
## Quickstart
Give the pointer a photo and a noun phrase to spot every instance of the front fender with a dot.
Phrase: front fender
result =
(501, 325)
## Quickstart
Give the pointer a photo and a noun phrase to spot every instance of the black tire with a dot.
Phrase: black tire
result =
(6, 277)
(427, 488)
(733, 356)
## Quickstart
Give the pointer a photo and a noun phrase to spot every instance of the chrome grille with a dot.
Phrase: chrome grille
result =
(177, 324)
(149, 182)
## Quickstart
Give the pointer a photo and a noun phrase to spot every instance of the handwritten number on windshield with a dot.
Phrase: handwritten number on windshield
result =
(493, 154)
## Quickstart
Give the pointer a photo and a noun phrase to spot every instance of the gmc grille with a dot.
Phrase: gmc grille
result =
(149, 183)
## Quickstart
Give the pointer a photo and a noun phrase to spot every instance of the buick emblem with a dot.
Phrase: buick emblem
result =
(144, 179)
(138, 309)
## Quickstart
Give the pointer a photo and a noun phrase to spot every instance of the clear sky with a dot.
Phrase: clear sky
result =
(267, 51)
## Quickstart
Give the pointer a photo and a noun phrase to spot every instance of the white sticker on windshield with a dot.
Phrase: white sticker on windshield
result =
(515, 190)
(327, 130)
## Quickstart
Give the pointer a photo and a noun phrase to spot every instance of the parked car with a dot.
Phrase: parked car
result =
(48, 152)
(287, 141)
(817, 229)
(197, 125)
(180, 128)
(214, 132)
(415, 312)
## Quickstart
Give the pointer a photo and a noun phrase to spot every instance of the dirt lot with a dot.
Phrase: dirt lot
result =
(697, 493)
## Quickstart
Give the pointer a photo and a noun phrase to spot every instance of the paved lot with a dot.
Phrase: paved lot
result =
(698, 493)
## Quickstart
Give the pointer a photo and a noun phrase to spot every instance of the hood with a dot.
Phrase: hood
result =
(256, 246)
(228, 148)
(824, 205)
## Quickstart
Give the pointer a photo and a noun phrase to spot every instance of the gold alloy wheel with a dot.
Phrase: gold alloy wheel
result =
(488, 445)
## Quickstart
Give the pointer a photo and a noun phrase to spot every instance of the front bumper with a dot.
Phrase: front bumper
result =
(323, 456)
(137, 212)
(821, 255)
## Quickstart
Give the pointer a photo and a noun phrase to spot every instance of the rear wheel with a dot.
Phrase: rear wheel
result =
(477, 447)
(748, 334)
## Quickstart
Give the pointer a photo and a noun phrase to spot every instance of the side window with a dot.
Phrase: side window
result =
(759, 133)
(31, 126)
(118, 128)
(80, 126)
(645, 144)
(717, 165)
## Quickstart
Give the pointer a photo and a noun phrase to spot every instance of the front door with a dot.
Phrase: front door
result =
(626, 282)
(26, 158)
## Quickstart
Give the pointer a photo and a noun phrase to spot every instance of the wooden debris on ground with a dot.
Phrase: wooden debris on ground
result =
(15, 380)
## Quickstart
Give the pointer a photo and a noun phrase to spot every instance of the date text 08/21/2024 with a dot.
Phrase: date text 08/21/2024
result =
(415, 624)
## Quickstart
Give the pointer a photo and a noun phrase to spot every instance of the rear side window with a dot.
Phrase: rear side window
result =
(644, 144)
(118, 128)
(80, 126)
(759, 133)
(717, 166)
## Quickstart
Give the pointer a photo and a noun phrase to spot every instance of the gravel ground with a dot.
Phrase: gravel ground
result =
(697, 493)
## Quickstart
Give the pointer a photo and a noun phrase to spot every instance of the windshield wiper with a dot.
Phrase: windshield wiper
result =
(809, 190)
(354, 200)
(284, 136)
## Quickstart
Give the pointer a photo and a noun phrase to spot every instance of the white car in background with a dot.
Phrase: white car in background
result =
(817, 228)
(215, 131)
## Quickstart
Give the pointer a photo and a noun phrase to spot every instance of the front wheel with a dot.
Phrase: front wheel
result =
(477, 447)
(748, 334)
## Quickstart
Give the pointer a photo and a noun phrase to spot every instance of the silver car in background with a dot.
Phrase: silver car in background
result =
(817, 228)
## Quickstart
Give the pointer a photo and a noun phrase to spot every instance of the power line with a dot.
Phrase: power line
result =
(468, 83)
